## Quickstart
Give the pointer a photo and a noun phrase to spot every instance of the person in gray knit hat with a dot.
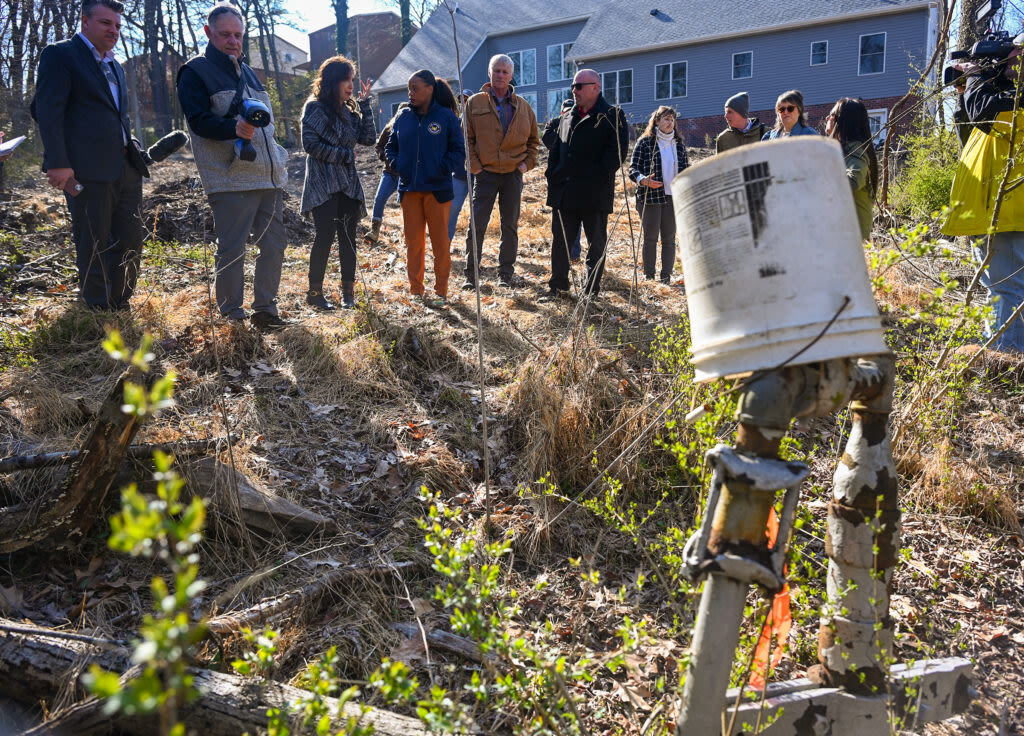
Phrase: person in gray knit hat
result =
(742, 130)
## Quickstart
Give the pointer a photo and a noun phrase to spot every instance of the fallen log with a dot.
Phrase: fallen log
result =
(269, 608)
(69, 511)
(35, 667)
(446, 642)
(253, 507)
(135, 452)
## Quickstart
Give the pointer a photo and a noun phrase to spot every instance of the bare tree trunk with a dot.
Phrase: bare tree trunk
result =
(967, 34)
(341, 25)
(404, 11)
(282, 93)
(157, 67)
(19, 25)
(261, 38)
(131, 71)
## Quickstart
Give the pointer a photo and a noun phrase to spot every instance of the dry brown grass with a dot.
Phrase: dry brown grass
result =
(319, 406)
(962, 487)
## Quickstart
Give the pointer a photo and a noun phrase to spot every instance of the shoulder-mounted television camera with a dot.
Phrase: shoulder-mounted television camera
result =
(986, 54)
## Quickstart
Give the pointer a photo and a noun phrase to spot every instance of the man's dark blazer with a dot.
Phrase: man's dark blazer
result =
(78, 121)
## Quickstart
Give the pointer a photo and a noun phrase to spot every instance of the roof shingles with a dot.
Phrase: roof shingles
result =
(633, 26)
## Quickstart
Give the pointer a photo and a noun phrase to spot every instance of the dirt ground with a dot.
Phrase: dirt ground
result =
(348, 413)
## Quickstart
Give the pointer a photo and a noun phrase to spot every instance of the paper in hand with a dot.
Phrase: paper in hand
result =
(9, 146)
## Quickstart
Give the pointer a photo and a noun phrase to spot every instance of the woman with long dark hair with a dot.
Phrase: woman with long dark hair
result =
(387, 185)
(789, 117)
(426, 148)
(848, 123)
(658, 156)
(332, 124)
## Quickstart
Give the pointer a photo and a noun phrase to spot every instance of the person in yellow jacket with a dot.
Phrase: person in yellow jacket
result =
(989, 104)
(501, 131)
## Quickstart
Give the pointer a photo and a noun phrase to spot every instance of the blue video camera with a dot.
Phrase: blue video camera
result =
(257, 115)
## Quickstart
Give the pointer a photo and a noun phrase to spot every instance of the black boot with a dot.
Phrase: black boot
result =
(316, 299)
(348, 294)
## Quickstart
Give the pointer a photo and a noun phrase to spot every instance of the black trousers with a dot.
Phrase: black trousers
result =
(106, 224)
(565, 224)
(338, 215)
(508, 190)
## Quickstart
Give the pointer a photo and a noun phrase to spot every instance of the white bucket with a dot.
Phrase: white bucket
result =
(771, 249)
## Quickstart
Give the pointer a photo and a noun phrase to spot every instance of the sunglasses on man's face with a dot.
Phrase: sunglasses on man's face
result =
(785, 108)
(581, 85)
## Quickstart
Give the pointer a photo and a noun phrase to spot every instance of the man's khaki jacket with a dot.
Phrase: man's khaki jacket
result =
(491, 149)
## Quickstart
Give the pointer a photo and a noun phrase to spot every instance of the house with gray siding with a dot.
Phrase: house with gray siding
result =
(537, 35)
(688, 54)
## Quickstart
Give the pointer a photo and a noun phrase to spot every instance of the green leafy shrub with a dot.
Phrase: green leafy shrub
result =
(922, 187)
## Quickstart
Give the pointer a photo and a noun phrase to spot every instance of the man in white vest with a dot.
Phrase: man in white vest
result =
(247, 197)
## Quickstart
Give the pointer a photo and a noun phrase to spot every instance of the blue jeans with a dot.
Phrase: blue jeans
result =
(387, 187)
(461, 187)
(1004, 279)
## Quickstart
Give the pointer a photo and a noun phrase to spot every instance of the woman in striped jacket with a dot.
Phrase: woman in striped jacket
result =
(658, 156)
(333, 122)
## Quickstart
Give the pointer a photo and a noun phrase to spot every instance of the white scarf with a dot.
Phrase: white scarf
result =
(669, 160)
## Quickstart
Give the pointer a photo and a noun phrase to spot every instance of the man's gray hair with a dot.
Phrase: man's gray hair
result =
(223, 8)
(503, 59)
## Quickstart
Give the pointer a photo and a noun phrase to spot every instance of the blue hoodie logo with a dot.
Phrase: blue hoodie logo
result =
(434, 128)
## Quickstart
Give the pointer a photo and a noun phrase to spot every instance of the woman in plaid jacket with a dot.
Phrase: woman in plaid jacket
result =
(658, 156)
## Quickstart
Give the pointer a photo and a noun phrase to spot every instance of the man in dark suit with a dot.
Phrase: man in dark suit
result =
(81, 107)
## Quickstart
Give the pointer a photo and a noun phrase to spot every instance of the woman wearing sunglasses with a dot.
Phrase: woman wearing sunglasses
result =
(789, 117)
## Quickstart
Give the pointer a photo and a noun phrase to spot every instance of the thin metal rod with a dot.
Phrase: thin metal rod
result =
(452, 8)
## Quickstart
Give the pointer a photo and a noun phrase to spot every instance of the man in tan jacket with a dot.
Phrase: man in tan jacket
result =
(501, 129)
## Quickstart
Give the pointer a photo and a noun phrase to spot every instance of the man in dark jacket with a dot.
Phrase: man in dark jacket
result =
(81, 107)
(246, 196)
(589, 142)
(742, 131)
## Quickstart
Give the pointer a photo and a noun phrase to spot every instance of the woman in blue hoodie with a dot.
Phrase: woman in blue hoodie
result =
(426, 147)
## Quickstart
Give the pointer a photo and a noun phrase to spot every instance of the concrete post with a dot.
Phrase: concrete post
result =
(856, 634)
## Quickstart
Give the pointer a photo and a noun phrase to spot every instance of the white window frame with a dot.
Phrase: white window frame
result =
(521, 52)
(733, 69)
(530, 97)
(883, 113)
(671, 79)
(394, 109)
(632, 85)
(547, 60)
(885, 51)
(555, 108)
(824, 63)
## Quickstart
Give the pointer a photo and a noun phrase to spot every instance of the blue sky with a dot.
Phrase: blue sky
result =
(311, 15)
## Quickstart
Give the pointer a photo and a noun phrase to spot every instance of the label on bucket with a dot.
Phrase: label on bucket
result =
(773, 261)
(728, 206)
